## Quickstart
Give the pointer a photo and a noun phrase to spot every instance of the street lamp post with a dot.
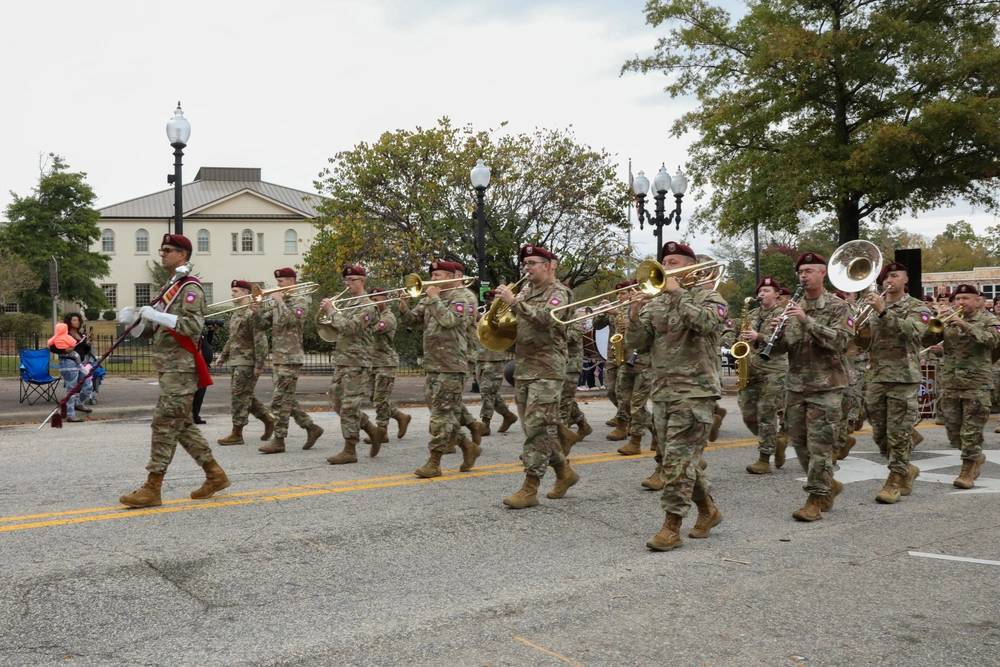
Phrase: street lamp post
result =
(662, 184)
(480, 176)
(178, 132)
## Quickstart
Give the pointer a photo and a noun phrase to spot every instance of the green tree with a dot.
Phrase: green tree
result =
(837, 110)
(57, 220)
(15, 277)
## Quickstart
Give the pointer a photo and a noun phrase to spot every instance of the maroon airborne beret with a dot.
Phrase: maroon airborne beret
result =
(535, 251)
(810, 258)
(785, 291)
(623, 284)
(840, 295)
(768, 281)
(674, 248)
(353, 271)
(243, 284)
(176, 241)
(458, 266)
(891, 266)
(488, 293)
(441, 265)
(377, 290)
(964, 289)
(287, 272)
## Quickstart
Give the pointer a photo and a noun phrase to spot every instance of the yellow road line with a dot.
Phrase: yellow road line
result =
(545, 650)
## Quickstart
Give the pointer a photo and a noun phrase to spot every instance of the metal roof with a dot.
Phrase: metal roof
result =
(209, 187)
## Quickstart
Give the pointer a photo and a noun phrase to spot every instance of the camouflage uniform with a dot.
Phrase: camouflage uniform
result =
(352, 365)
(764, 396)
(681, 330)
(465, 417)
(385, 362)
(894, 381)
(634, 383)
(611, 320)
(178, 375)
(850, 403)
(965, 373)
(539, 374)
(446, 327)
(286, 319)
(569, 411)
(815, 384)
(246, 351)
(489, 375)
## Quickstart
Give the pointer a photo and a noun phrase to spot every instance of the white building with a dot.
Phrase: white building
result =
(240, 227)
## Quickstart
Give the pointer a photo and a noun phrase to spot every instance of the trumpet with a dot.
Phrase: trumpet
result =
(937, 324)
(412, 288)
(259, 296)
(497, 329)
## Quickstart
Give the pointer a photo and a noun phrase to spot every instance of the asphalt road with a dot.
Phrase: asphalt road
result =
(303, 563)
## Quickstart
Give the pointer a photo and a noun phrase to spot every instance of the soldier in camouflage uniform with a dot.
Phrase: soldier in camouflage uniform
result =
(286, 318)
(444, 314)
(246, 351)
(489, 375)
(898, 324)
(815, 337)
(465, 419)
(539, 373)
(680, 328)
(634, 382)
(569, 411)
(354, 329)
(385, 362)
(764, 394)
(850, 406)
(175, 325)
(965, 374)
(615, 322)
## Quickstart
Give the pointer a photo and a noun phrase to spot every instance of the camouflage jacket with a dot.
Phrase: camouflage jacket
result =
(286, 319)
(967, 362)
(384, 354)
(896, 337)
(541, 342)
(816, 349)
(445, 320)
(760, 320)
(612, 320)
(574, 340)
(355, 329)
(682, 330)
(188, 304)
(247, 344)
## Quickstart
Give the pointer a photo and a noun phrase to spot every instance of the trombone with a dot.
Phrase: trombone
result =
(412, 288)
(259, 296)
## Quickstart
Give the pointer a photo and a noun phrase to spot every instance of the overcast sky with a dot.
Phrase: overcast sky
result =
(284, 86)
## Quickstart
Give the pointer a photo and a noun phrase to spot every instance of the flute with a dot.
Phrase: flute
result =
(766, 353)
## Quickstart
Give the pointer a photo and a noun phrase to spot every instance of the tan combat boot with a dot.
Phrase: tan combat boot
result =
(654, 481)
(890, 491)
(376, 436)
(508, 420)
(215, 480)
(781, 442)
(669, 536)
(565, 478)
(811, 511)
(970, 473)
(527, 496)
(312, 435)
(276, 446)
(148, 495)
(633, 448)
(583, 429)
(720, 414)
(612, 422)
(234, 438)
(709, 517)
(846, 449)
(567, 439)
(761, 466)
(702, 463)
(917, 438)
(269, 423)
(906, 483)
(486, 427)
(402, 423)
(620, 432)
(826, 502)
(348, 455)
(859, 423)
(470, 452)
(430, 469)
(476, 429)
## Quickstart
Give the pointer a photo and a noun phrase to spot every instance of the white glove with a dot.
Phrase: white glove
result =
(127, 316)
(138, 329)
(152, 315)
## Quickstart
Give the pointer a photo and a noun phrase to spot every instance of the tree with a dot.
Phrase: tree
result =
(15, 277)
(958, 248)
(842, 110)
(406, 199)
(57, 220)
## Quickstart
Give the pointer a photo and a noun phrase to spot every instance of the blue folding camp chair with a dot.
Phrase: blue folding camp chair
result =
(36, 382)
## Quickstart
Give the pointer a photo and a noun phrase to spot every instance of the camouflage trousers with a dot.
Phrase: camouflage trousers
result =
(284, 405)
(996, 385)
(682, 430)
(813, 422)
(173, 423)
(611, 382)
(965, 412)
(383, 379)
(892, 411)
(569, 411)
(760, 401)
(244, 402)
(347, 391)
(464, 416)
(489, 375)
(850, 408)
(633, 392)
(443, 393)
(538, 407)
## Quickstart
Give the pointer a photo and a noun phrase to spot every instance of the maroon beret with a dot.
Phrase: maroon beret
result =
(441, 266)
(176, 241)
(623, 284)
(535, 251)
(840, 295)
(287, 272)
(891, 266)
(458, 266)
(943, 295)
(377, 290)
(673, 248)
(489, 293)
(810, 258)
(928, 298)
(354, 271)
(965, 289)
(785, 291)
(244, 284)
(768, 281)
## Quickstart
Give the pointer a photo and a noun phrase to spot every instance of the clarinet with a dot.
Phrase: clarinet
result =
(766, 352)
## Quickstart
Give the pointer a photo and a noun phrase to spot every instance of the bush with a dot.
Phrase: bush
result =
(21, 324)
(109, 315)
(91, 314)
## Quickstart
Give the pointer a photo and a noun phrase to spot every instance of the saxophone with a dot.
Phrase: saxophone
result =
(741, 349)
(617, 342)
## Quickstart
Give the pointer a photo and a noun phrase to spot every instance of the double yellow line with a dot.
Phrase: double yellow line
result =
(31, 521)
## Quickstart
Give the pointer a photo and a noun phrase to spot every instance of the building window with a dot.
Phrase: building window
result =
(208, 293)
(246, 241)
(143, 294)
(260, 243)
(928, 290)
(291, 242)
(142, 242)
(987, 290)
(11, 308)
(204, 241)
(107, 241)
(236, 241)
(111, 294)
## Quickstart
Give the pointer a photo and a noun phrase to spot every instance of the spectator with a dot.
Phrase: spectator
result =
(206, 352)
(62, 345)
(592, 374)
(74, 324)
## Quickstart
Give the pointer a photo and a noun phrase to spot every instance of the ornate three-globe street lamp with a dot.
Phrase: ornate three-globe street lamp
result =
(662, 184)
